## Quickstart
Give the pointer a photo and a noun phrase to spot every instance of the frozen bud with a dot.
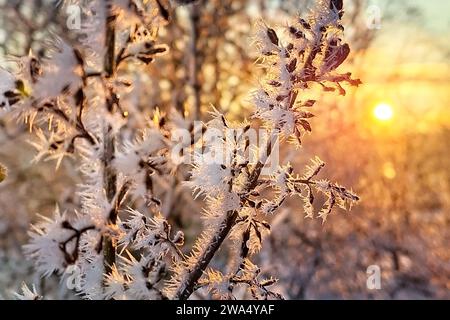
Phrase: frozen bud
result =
(292, 65)
(309, 103)
(272, 36)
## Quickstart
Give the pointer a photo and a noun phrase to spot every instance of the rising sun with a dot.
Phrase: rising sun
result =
(383, 112)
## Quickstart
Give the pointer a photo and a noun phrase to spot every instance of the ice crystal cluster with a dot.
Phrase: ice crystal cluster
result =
(74, 100)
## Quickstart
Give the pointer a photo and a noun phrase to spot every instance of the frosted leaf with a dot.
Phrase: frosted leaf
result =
(313, 169)
(219, 206)
(27, 293)
(143, 274)
(209, 179)
(129, 159)
(60, 74)
(280, 178)
(307, 206)
(52, 147)
(44, 248)
(266, 39)
(92, 271)
(323, 185)
(115, 285)
(231, 201)
(217, 284)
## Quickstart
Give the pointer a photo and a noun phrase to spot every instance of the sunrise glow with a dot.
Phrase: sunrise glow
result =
(383, 112)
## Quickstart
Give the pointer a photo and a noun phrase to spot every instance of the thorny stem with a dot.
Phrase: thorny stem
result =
(189, 285)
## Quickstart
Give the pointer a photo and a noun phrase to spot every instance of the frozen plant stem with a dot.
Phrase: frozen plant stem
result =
(109, 173)
(110, 43)
(205, 258)
(189, 285)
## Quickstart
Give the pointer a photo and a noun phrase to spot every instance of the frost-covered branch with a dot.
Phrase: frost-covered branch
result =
(75, 103)
(313, 52)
